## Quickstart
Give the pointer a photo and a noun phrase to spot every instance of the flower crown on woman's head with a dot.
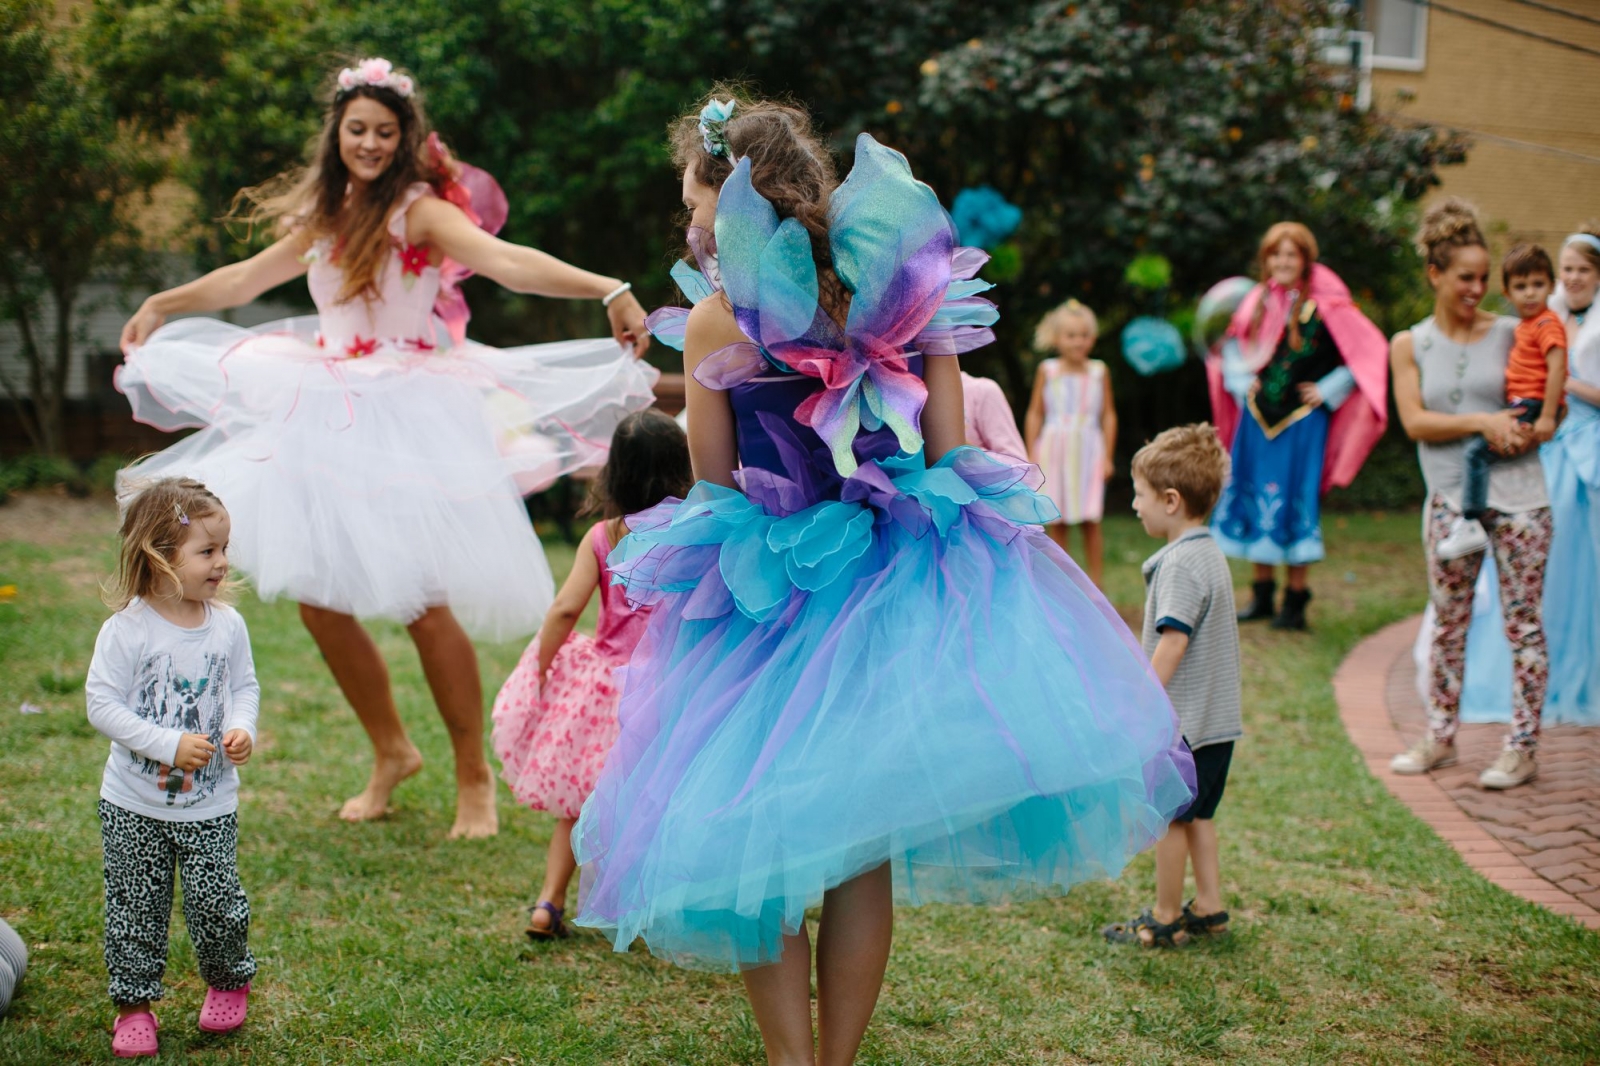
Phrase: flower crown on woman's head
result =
(714, 127)
(378, 73)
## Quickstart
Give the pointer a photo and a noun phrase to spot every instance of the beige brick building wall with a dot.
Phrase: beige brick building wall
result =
(1533, 109)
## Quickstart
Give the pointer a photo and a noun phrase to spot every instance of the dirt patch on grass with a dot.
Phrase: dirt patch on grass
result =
(53, 518)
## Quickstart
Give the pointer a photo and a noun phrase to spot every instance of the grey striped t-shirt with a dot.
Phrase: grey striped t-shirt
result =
(1188, 588)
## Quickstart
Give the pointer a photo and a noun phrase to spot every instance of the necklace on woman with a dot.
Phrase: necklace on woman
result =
(1458, 392)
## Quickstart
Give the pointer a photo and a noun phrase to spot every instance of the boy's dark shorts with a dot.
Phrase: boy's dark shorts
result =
(1210, 778)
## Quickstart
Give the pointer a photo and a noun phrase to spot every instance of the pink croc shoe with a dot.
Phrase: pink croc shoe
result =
(224, 1012)
(133, 1036)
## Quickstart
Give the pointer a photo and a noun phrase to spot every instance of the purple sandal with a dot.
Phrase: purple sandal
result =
(557, 929)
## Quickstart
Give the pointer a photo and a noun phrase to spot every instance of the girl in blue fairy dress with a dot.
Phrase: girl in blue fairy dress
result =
(869, 674)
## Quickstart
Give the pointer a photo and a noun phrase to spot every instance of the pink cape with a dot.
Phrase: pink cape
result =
(1360, 421)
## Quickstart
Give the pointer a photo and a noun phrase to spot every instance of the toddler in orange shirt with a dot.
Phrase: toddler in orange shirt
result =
(1536, 374)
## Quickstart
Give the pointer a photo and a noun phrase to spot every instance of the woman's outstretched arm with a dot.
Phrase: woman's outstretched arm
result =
(442, 225)
(231, 286)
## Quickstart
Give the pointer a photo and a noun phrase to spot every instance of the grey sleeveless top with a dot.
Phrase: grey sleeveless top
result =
(1471, 379)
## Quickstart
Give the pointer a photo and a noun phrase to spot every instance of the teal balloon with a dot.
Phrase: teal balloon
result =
(1152, 345)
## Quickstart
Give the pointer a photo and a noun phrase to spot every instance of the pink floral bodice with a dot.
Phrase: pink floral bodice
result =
(619, 627)
(400, 317)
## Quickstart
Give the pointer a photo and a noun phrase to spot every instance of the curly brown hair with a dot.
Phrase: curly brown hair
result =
(1449, 225)
(790, 165)
(313, 199)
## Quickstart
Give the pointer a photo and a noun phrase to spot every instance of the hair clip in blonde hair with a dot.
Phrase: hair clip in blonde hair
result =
(183, 519)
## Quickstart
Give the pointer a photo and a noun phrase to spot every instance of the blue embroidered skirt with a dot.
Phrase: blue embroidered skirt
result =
(1271, 508)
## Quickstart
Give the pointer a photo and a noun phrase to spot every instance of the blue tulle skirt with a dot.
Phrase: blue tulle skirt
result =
(1571, 592)
(917, 677)
(1270, 511)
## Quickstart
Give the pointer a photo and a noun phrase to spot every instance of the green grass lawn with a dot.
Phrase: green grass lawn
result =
(1359, 936)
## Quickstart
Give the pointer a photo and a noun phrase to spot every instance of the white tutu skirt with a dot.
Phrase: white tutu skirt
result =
(382, 485)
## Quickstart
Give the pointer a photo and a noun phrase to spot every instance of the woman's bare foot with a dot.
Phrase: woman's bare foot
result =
(475, 813)
(387, 772)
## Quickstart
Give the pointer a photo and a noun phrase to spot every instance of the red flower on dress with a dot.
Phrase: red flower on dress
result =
(413, 260)
(359, 347)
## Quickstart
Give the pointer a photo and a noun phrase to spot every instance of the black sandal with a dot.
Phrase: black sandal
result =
(557, 929)
(1170, 935)
(1204, 924)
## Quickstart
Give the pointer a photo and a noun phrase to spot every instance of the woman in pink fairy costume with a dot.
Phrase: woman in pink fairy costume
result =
(371, 455)
(1299, 394)
(556, 716)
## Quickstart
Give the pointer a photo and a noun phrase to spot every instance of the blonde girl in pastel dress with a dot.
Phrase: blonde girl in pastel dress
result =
(1072, 427)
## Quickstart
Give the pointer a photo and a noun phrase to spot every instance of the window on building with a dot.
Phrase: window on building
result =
(1399, 31)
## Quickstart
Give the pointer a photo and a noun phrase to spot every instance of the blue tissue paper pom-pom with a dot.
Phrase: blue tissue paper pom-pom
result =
(983, 217)
(1152, 345)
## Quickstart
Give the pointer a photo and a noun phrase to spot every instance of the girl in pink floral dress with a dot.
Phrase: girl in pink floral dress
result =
(556, 716)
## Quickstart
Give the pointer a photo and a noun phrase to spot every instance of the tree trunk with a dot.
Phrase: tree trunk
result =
(49, 398)
(30, 352)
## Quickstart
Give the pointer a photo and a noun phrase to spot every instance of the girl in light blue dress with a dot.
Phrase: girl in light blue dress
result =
(868, 673)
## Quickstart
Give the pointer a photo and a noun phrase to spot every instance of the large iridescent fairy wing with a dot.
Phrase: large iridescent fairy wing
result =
(891, 243)
(770, 278)
(768, 273)
(895, 249)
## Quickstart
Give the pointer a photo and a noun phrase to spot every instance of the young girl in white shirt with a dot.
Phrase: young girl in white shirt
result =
(172, 684)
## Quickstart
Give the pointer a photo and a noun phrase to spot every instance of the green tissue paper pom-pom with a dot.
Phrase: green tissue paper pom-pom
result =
(1149, 272)
(1005, 263)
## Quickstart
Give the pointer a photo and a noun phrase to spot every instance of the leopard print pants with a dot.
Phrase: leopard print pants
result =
(140, 854)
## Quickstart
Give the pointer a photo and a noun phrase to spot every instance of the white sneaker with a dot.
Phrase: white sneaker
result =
(1467, 537)
(1426, 754)
(1511, 769)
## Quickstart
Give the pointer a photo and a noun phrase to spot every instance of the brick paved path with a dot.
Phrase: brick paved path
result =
(1541, 841)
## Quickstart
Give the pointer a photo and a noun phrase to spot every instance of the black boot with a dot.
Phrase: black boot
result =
(1293, 615)
(1261, 608)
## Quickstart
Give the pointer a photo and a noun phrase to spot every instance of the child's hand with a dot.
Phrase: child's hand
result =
(236, 742)
(1107, 468)
(1310, 395)
(194, 751)
(1544, 428)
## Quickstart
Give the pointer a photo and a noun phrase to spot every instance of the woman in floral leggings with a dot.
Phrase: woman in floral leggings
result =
(1449, 385)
